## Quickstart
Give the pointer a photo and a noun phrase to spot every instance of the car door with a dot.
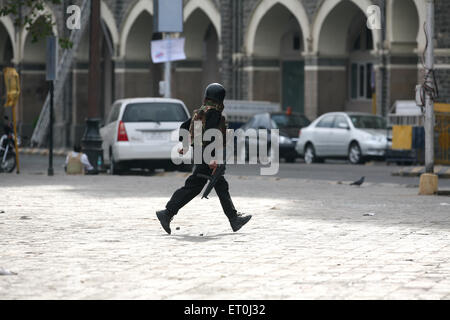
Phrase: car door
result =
(321, 136)
(259, 123)
(108, 132)
(340, 136)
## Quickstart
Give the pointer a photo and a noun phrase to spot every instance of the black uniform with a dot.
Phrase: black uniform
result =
(211, 119)
(194, 184)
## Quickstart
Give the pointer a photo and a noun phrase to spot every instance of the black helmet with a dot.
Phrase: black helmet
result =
(215, 92)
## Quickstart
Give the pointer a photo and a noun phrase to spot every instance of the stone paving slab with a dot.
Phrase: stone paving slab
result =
(97, 237)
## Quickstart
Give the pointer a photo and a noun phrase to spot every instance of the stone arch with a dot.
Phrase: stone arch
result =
(294, 6)
(7, 52)
(208, 8)
(141, 7)
(329, 16)
(109, 39)
(202, 55)
(9, 28)
(406, 42)
(107, 17)
(110, 22)
(37, 53)
(405, 34)
(196, 26)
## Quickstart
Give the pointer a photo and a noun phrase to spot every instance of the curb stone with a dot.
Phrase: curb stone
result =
(43, 152)
(442, 171)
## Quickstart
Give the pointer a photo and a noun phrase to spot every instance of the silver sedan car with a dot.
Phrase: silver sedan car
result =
(356, 136)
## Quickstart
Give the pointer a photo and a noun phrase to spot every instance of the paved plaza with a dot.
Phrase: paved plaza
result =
(97, 237)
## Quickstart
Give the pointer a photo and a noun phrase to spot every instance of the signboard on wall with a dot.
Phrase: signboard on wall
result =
(171, 49)
(52, 58)
(168, 15)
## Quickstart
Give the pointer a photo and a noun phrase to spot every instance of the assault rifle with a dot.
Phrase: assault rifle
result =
(220, 170)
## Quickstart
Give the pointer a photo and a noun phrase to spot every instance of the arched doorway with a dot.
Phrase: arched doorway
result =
(141, 75)
(404, 56)
(201, 65)
(345, 57)
(361, 73)
(276, 70)
(6, 56)
(80, 81)
(34, 87)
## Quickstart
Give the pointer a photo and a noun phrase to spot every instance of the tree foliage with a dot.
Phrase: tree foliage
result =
(31, 15)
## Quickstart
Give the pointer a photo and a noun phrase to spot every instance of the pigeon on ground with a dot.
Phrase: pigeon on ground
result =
(358, 183)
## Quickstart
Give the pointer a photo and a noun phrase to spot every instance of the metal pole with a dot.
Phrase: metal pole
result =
(167, 73)
(429, 104)
(15, 139)
(50, 144)
(94, 81)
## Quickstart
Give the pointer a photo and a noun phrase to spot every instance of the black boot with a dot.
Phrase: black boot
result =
(165, 218)
(239, 221)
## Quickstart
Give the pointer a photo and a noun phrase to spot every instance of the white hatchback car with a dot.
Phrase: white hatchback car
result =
(143, 133)
(352, 135)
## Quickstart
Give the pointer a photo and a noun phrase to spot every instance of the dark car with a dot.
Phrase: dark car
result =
(289, 125)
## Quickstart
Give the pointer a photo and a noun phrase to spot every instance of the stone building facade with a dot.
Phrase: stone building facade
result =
(315, 56)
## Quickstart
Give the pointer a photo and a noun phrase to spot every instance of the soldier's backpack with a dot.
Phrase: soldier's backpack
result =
(200, 115)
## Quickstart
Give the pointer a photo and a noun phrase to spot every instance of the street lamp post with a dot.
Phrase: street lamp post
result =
(167, 69)
(51, 76)
(92, 141)
(429, 180)
(429, 104)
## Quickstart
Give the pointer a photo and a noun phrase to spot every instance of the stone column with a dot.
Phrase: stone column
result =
(79, 101)
(311, 87)
(119, 78)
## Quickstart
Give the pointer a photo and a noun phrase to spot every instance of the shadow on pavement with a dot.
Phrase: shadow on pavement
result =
(200, 238)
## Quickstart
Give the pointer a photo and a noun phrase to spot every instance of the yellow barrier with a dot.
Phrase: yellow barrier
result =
(442, 107)
(12, 84)
(442, 143)
(402, 137)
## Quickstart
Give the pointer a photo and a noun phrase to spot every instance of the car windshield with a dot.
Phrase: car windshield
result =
(154, 112)
(368, 122)
(284, 121)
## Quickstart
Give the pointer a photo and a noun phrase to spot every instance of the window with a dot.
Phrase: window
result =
(361, 80)
(154, 112)
(114, 113)
(340, 122)
(283, 121)
(262, 121)
(326, 122)
(368, 122)
(249, 124)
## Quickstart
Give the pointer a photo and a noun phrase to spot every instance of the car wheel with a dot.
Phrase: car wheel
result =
(10, 163)
(114, 167)
(355, 154)
(310, 154)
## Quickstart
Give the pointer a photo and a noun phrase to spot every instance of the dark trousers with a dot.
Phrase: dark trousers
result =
(192, 188)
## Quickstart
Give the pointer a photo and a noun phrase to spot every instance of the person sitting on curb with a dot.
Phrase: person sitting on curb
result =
(77, 162)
